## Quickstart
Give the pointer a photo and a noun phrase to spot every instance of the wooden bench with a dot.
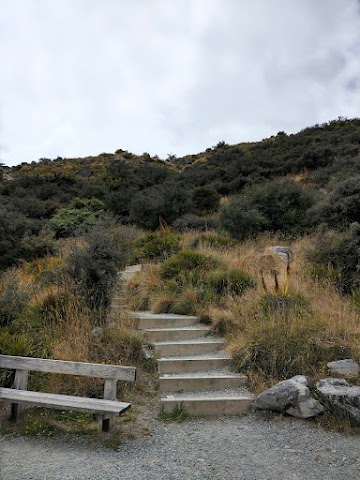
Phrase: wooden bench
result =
(19, 396)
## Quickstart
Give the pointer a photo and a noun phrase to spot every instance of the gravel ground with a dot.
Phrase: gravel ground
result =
(234, 448)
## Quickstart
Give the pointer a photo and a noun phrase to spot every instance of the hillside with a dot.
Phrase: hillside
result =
(206, 224)
(312, 175)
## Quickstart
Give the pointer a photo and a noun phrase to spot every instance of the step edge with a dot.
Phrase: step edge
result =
(177, 329)
(208, 400)
(161, 316)
(176, 359)
(196, 377)
(187, 342)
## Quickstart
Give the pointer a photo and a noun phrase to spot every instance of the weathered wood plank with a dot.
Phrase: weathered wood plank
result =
(109, 394)
(20, 383)
(117, 372)
(64, 402)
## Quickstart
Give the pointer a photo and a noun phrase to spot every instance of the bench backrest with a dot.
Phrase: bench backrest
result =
(99, 370)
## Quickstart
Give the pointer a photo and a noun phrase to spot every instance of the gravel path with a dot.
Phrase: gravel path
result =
(237, 448)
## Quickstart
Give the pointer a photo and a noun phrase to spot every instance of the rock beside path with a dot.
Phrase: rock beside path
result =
(291, 396)
(341, 398)
(344, 367)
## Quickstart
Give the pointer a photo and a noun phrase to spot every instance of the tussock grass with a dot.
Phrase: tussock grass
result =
(280, 319)
(295, 328)
(186, 283)
(43, 315)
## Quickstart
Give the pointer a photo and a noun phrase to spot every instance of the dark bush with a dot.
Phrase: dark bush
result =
(241, 221)
(342, 205)
(13, 298)
(205, 199)
(274, 206)
(94, 267)
(157, 246)
(13, 227)
(166, 202)
(339, 254)
(190, 222)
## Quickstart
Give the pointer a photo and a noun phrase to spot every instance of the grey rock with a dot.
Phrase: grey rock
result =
(344, 367)
(97, 331)
(292, 396)
(341, 398)
(283, 252)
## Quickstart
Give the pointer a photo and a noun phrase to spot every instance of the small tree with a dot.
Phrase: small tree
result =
(79, 213)
(94, 268)
(274, 206)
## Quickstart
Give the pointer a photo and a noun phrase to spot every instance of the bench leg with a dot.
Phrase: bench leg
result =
(20, 383)
(106, 424)
(109, 394)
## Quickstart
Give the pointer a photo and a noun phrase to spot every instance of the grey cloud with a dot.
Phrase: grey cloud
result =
(153, 75)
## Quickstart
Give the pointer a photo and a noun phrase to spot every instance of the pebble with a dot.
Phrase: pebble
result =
(235, 448)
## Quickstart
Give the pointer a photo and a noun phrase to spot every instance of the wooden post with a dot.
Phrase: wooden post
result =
(20, 383)
(109, 394)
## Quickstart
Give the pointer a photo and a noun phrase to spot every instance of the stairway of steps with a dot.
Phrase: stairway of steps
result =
(118, 300)
(193, 367)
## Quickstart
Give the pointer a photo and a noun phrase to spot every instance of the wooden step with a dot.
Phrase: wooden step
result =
(193, 367)
(192, 363)
(200, 381)
(186, 348)
(173, 334)
(207, 404)
(149, 320)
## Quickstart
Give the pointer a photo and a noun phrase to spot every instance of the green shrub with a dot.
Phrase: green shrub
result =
(14, 226)
(167, 201)
(13, 298)
(157, 246)
(355, 298)
(80, 212)
(33, 323)
(10, 344)
(118, 346)
(338, 254)
(273, 206)
(242, 221)
(190, 222)
(278, 349)
(205, 198)
(213, 239)
(233, 281)
(15, 344)
(341, 207)
(187, 261)
(94, 267)
(290, 302)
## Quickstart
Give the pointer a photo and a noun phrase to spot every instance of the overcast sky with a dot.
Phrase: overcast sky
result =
(82, 77)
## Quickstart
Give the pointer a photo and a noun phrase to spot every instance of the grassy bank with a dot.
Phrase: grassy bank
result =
(281, 318)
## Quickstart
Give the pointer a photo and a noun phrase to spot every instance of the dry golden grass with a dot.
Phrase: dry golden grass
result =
(162, 302)
(310, 324)
(289, 324)
(72, 337)
(141, 287)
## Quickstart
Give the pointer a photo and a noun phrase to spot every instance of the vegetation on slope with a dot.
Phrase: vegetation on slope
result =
(288, 184)
(68, 226)
(282, 318)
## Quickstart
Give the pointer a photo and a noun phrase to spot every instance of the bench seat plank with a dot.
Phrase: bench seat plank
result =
(64, 402)
(117, 372)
